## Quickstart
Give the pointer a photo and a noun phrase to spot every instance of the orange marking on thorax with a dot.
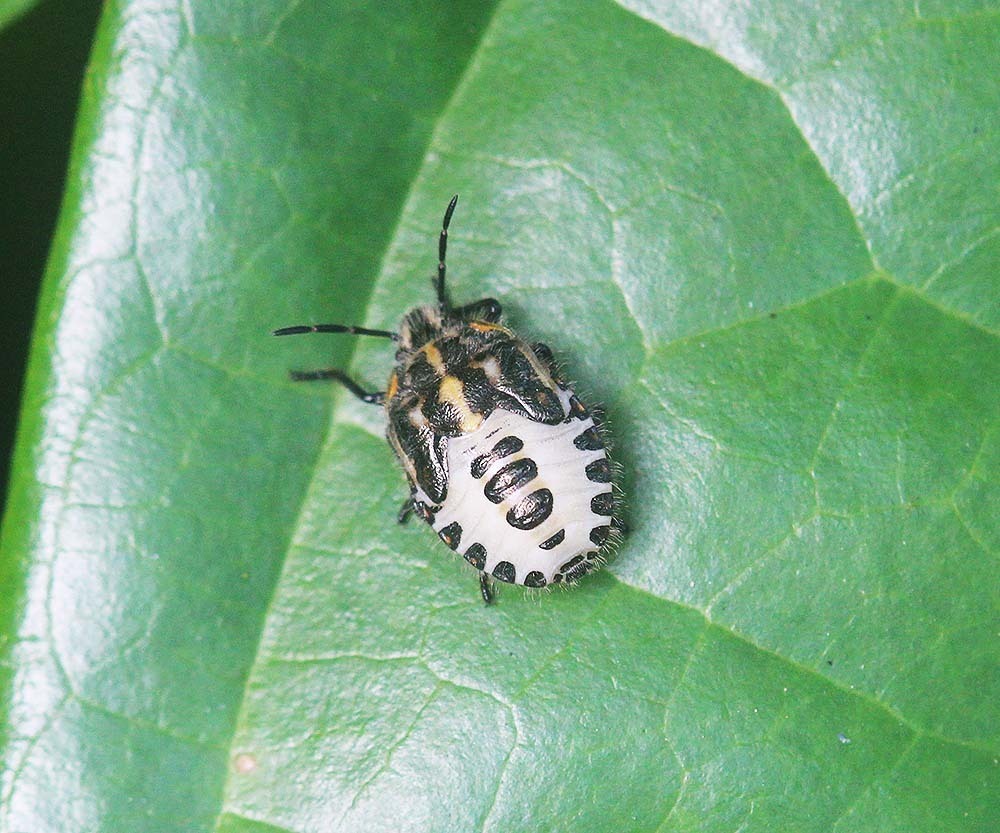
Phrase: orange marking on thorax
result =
(483, 327)
(434, 358)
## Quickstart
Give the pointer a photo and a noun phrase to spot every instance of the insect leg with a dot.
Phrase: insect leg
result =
(405, 510)
(371, 397)
(485, 588)
(442, 250)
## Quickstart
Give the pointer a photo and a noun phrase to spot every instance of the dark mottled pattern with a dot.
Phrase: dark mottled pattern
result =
(589, 440)
(452, 534)
(531, 510)
(599, 471)
(554, 541)
(505, 571)
(509, 479)
(506, 447)
(576, 559)
(480, 465)
(454, 351)
(523, 388)
(441, 413)
(503, 448)
(476, 389)
(602, 504)
(426, 450)
(599, 535)
(420, 374)
(420, 325)
(579, 571)
(476, 556)
(534, 579)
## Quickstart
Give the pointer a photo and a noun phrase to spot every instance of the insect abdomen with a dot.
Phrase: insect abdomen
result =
(528, 503)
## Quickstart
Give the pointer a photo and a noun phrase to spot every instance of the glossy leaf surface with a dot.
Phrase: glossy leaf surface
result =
(764, 238)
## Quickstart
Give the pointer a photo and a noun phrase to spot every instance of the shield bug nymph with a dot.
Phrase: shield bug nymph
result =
(504, 461)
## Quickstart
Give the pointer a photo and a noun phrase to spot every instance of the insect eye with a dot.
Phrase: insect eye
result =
(491, 309)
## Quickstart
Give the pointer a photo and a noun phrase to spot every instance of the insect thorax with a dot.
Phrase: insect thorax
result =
(450, 375)
(465, 370)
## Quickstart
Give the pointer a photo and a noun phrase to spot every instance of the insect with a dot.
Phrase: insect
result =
(503, 460)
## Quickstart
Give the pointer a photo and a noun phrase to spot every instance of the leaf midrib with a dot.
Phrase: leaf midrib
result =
(338, 398)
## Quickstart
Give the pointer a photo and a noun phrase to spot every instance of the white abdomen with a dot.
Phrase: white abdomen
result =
(528, 503)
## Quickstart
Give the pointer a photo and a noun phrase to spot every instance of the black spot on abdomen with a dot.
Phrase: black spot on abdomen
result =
(579, 570)
(476, 556)
(452, 534)
(503, 448)
(602, 504)
(577, 567)
(554, 541)
(509, 479)
(589, 440)
(534, 579)
(569, 565)
(505, 571)
(531, 510)
(599, 471)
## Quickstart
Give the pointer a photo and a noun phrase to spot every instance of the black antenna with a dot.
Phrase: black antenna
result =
(442, 250)
(299, 329)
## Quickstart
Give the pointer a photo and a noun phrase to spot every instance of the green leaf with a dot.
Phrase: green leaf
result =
(42, 59)
(764, 237)
(11, 10)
